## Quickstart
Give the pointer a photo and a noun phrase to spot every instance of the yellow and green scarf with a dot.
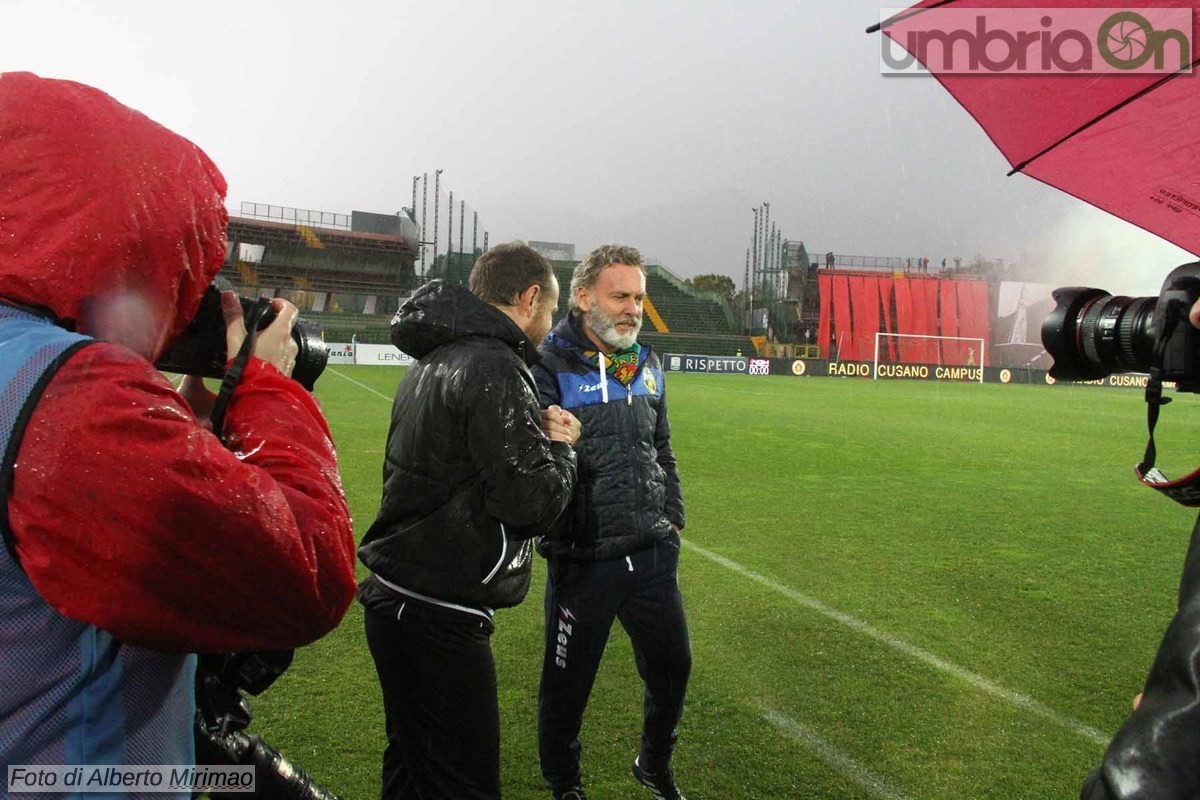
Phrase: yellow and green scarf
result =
(622, 365)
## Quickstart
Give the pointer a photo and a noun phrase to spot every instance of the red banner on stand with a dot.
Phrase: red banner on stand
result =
(973, 319)
(824, 290)
(951, 351)
(864, 299)
(905, 315)
(887, 346)
(843, 332)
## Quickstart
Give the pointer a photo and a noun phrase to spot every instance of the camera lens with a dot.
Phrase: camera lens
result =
(1091, 334)
(312, 353)
(200, 349)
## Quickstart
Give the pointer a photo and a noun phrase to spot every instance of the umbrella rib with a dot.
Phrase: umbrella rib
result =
(1020, 167)
(903, 15)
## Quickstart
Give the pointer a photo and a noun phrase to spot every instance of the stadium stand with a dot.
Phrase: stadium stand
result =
(689, 321)
(352, 282)
(348, 279)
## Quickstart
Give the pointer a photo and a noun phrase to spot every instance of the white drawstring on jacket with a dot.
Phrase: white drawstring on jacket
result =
(603, 377)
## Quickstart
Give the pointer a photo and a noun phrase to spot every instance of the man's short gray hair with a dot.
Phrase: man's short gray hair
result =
(588, 270)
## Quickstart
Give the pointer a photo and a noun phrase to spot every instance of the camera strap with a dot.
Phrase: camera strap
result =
(233, 373)
(1186, 490)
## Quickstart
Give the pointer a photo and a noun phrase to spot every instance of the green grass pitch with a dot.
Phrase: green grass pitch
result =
(895, 590)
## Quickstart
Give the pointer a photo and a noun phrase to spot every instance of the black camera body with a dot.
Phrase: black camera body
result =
(200, 349)
(1092, 334)
(223, 714)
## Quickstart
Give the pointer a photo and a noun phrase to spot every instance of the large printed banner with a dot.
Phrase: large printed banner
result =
(340, 353)
(714, 364)
(1017, 338)
(804, 368)
(385, 354)
(372, 354)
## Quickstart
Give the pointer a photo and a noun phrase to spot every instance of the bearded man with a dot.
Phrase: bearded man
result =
(614, 552)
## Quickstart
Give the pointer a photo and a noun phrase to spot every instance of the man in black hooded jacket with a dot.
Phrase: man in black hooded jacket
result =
(473, 469)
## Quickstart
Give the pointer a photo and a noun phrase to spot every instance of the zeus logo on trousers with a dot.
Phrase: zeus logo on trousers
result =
(564, 637)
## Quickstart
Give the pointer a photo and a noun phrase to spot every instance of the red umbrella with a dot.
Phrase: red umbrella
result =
(1123, 138)
(1122, 133)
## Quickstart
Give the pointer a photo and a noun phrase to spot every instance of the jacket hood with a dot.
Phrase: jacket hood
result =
(107, 219)
(568, 334)
(440, 312)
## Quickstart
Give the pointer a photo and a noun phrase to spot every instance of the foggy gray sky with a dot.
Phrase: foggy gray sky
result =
(658, 124)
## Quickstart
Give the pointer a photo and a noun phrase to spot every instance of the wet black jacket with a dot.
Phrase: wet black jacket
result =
(468, 477)
(628, 494)
(1155, 755)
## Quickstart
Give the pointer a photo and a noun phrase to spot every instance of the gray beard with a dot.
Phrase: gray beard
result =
(606, 328)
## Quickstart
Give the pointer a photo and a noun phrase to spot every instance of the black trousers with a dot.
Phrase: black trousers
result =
(582, 600)
(439, 696)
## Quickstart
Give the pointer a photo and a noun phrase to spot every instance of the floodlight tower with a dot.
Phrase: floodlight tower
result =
(437, 201)
(753, 276)
(766, 229)
(745, 289)
(768, 280)
(424, 197)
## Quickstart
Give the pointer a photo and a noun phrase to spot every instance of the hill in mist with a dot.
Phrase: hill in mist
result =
(709, 233)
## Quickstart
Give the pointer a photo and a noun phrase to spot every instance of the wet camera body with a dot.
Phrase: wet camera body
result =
(223, 714)
(200, 349)
(1092, 334)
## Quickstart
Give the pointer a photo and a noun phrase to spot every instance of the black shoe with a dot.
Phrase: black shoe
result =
(574, 793)
(661, 784)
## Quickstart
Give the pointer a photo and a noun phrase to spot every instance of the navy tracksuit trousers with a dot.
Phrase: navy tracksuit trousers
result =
(582, 600)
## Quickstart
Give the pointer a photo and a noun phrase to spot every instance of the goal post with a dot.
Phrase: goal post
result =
(880, 336)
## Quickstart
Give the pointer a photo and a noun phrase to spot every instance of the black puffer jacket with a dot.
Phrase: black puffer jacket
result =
(628, 496)
(468, 477)
(1155, 754)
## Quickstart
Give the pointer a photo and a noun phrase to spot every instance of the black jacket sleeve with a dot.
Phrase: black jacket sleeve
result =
(527, 479)
(549, 394)
(1154, 755)
(547, 386)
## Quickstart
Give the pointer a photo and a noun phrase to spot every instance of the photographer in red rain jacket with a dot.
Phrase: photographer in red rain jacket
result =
(132, 536)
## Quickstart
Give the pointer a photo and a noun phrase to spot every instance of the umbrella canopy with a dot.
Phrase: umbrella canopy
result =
(1126, 141)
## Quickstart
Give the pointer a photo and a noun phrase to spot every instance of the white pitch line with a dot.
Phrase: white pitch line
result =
(361, 385)
(978, 681)
(835, 758)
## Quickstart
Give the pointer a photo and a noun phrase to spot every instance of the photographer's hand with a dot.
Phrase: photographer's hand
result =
(1194, 316)
(274, 344)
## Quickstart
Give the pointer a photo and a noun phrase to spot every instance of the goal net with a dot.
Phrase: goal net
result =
(963, 353)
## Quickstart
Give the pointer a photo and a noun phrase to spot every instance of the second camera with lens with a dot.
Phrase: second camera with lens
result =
(1092, 334)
